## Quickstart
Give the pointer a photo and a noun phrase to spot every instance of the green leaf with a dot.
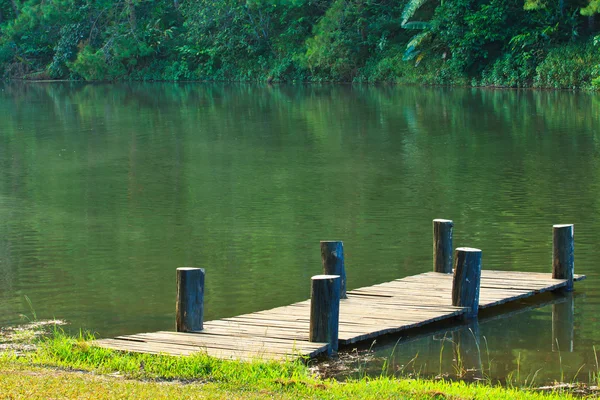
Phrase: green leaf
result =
(410, 53)
(410, 8)
(417, 25)
(416, 40)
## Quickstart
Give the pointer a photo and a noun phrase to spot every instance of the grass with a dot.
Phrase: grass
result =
(69, 367)
(29, 382)
(23, 337)
(19, 380)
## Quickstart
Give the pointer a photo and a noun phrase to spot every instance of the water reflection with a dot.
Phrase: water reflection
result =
(563, 326)
(466, 345)
(506, 344)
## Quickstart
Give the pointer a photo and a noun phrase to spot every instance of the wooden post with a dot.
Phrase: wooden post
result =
(325, 310)
(332, 257)
(442, 245)
(563, 327)
(467, 276)
(563, 247)
(190, 299)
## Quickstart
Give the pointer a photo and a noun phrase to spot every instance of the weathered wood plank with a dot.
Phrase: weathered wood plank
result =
(241, 344)
(251, 330)
(208, 338)
(141, 347)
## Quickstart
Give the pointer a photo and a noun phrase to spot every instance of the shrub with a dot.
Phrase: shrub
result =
(510, 70)
(569, 66)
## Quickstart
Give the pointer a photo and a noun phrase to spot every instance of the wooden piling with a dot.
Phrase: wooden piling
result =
(563, 248)
(466, 281)
(442, 245)
(325, 309)
(332, 257)
(190, 299)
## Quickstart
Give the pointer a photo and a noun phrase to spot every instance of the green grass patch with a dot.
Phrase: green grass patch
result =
(67, 367)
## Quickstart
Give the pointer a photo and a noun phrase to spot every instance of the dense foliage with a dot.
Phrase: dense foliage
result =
(546, 43)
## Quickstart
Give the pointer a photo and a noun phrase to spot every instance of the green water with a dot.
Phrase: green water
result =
(106, 189)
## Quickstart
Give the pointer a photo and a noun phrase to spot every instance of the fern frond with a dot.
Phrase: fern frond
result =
(410, 8)
(410, 53)
(592, 8)
(417, 25)
(416, 40)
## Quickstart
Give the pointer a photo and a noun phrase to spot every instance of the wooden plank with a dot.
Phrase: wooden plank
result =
(492, 274)
(422, 301)
(141, 347)
(270, 322)
(253, 347)
(346, 338)
(265, 330)
(407, 288)
(424, 292)
(252, 332)
(273, 333)
(203, 338)
(525, 275)
(377, 307)
(258, 345)
(250, 325)
(400, 309)
(266, 318)
(240, 345)
(210, 338)
(238, 328)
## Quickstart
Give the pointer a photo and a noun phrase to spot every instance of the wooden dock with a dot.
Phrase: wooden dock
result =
(368, 312)
(457, 288)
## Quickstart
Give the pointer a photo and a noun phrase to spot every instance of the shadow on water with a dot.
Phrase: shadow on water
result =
(458, 350)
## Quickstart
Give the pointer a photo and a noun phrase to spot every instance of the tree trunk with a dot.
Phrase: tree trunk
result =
(561, 7)
(131, 12)
(15, 8)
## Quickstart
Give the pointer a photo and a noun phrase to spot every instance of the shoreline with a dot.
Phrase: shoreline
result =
(308, 83)
(70, 367)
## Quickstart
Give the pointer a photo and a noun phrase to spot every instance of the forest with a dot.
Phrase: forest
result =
(499, 43)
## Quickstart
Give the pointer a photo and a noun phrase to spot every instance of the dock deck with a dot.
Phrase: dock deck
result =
(368, 312)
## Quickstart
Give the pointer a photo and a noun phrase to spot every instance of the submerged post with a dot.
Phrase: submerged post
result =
(563, 248)
(467, 277)
(190, 299)
(325, 310)
(332, 257)
(442, 245)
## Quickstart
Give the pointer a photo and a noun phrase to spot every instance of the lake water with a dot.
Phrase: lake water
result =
(106, 189)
